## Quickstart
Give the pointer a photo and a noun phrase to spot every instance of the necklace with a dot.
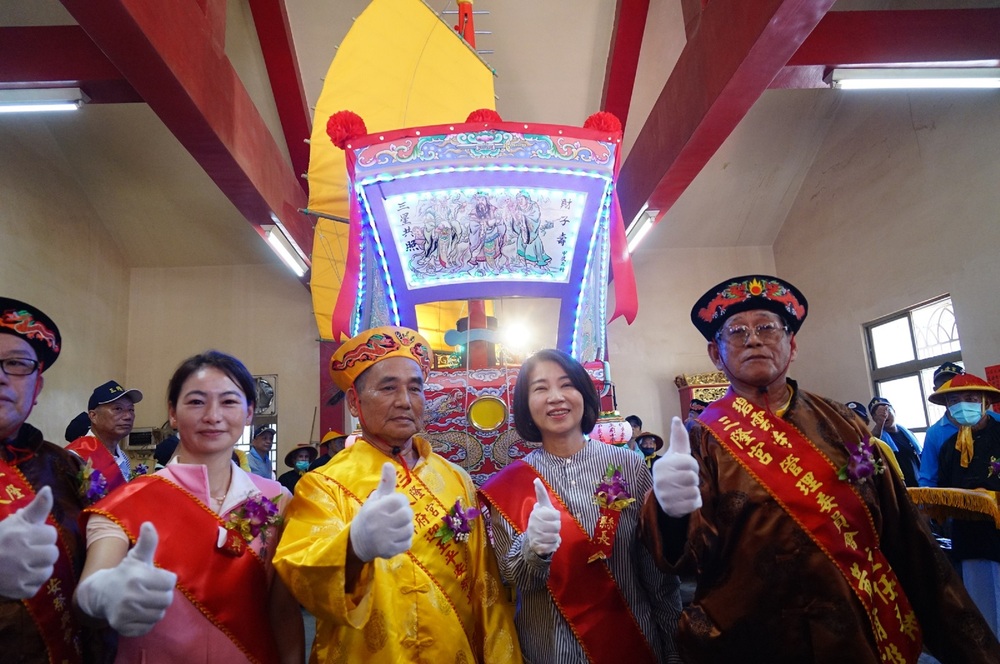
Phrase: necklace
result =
(220, 498)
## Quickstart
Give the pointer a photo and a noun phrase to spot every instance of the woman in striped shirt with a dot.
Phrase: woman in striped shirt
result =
(564, 525)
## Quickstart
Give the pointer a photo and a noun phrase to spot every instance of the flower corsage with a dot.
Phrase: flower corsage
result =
(457, 523)
(994, 470)
(93, 484)
(140, 470)
(861, 463)
(257, 517)
(611, 496)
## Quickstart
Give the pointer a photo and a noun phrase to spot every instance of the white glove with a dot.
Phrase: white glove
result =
(133, 596)
(28, 550)
(543, 523)
(675, 476)
(383, 527)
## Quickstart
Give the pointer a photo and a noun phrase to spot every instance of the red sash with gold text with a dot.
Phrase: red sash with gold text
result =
(92, 449)
(228, 585)
(584, 592)
(50, 608)
(830, 511)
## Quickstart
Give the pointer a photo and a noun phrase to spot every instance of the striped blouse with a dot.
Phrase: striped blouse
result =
(653, 596)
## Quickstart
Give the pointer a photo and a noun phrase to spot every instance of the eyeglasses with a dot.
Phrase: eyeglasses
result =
(740, 334)
(18, 366)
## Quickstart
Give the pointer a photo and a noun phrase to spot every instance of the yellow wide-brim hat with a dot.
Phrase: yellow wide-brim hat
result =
(372, 346)
(331, 435)
(965, 383)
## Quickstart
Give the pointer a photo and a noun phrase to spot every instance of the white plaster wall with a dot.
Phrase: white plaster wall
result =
(901, 206)
(56, 254)
(136, 325)
(662, 343)
(258, 313)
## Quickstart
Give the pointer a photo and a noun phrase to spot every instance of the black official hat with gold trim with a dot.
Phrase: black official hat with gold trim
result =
(752, 291)
(32, 325)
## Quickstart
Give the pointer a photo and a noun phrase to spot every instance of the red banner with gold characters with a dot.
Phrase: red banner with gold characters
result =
(604, 533)
(50, 608)
(830, 511)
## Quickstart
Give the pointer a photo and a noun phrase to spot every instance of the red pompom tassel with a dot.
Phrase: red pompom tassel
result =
(343, 127)
(484, 115)
(604, 121)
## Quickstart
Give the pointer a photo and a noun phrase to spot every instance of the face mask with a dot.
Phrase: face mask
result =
(966, 414)
(302, 466)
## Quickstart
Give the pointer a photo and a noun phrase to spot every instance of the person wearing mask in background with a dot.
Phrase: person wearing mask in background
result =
(179, 562)
(259, 455)
(111, 410)
(694, 409)
(565, 525)
(41, 545)
(384, 544)
(970, 459)
(903, 444)
(803, 549)
(651, 446)
(298, 460)
(942, 430)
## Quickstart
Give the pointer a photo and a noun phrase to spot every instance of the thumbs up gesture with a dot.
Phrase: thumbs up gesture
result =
(28, 550)
(133, 596)
(675, 476)
(542, 534)
(383, 527)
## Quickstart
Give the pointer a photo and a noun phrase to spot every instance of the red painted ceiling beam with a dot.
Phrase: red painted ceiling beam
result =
(60, 56)
(623, 59)
(738, 48)
(912, 38)
(275, 36)
(908, 38)
(170, 55)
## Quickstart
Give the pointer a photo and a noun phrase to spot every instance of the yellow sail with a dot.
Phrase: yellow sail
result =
(400, 65)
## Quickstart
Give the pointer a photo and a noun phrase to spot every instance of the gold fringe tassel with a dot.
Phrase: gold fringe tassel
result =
(969, 504)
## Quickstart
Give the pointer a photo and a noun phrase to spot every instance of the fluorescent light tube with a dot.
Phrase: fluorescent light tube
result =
(26, 100)
(916, 78)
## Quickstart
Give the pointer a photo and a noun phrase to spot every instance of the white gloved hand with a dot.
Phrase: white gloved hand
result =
(28, 550)
(544, 523)
(675, 476)
(133, 596)
(383, 527)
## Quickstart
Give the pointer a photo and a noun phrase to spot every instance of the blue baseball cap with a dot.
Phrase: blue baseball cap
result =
(111, 391)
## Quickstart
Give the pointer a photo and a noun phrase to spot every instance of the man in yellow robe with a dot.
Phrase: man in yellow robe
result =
(383, 544)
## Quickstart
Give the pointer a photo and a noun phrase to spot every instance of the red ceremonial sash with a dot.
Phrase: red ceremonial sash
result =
(50, 608)
(584, 592)
(92, 449)
(228, 585)
(830, 511)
